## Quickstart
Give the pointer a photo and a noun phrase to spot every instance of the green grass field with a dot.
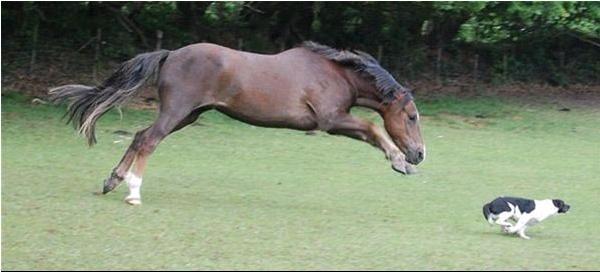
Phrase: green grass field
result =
(226, 195)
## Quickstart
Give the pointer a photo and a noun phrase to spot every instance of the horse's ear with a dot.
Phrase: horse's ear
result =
(412, 90)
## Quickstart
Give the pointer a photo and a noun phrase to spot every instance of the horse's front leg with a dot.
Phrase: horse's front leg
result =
(356, 128)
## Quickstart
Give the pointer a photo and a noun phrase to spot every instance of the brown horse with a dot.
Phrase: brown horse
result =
(305, 88)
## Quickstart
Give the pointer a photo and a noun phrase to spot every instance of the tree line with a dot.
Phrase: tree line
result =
(553, 42)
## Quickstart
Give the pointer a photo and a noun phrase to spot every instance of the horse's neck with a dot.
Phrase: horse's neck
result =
(366, 93)
(364, 88)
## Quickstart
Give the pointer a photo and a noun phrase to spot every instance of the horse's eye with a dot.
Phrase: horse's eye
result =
(412, 118)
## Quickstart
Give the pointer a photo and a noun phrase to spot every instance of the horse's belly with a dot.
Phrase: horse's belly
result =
(268, 100)
(271, 116)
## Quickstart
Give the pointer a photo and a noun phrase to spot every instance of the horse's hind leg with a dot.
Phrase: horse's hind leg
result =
(147, 144)
(192, 117)
(121, 172)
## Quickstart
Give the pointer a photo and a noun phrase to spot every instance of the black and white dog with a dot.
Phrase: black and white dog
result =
(525, 212)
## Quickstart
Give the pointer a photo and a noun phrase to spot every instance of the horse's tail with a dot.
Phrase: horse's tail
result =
(88, 104)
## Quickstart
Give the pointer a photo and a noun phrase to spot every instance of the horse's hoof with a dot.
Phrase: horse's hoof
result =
(400, 168)
(133, 201)
(110, 185)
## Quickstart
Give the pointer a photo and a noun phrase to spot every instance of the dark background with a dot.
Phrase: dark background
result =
(460, 47)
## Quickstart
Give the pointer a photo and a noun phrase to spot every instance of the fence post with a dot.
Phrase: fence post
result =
(159, 36)
(505, 66)
(34, 41)
(97, 54)
(240, 44)
(475, 70)
(438, 66)
(561, 58)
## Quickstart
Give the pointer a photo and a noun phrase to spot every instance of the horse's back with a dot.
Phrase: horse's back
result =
(224, 70)
(208, 54)
(280, 90)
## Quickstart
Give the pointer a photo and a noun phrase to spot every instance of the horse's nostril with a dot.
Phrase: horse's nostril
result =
(420, 155)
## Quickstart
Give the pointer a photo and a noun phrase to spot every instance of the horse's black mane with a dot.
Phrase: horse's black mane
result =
(364, 64)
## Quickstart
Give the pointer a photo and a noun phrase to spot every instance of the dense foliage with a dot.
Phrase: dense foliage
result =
(555, 42)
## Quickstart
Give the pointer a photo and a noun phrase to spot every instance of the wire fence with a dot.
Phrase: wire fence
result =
(34, 70)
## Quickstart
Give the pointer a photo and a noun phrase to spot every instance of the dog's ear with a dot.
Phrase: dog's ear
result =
(558, 203)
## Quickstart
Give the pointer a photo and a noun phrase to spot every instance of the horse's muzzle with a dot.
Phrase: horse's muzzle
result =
(416, 156)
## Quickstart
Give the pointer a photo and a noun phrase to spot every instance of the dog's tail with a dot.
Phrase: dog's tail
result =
(486, 213)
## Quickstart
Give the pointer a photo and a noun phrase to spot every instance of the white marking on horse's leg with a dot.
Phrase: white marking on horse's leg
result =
(135, 184)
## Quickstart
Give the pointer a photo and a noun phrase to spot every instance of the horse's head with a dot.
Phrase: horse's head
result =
(399, 112)
(401, 119)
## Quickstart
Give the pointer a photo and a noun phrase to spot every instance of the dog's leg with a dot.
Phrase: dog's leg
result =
(502, 220)
(521, 233)
(522, 223)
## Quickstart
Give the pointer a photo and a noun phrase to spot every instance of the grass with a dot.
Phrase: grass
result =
(226, 195)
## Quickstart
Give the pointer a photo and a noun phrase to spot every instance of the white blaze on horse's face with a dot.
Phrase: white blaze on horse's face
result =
(402, 123)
